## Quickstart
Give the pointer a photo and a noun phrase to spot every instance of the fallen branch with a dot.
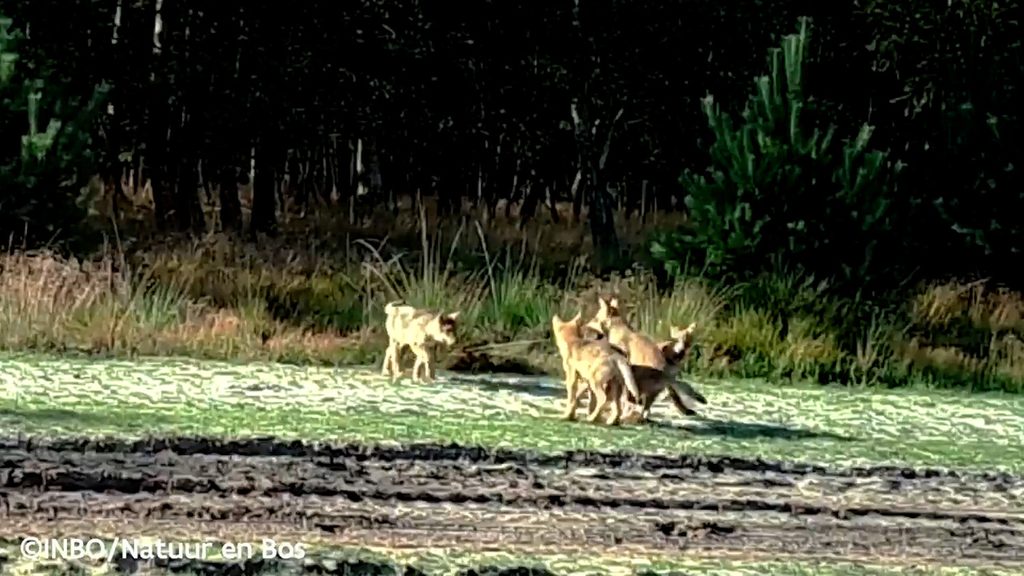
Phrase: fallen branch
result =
(500, 345)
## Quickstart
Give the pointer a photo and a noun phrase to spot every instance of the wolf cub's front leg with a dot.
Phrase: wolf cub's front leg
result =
(571, 394)
(390, 367)
(422, 361)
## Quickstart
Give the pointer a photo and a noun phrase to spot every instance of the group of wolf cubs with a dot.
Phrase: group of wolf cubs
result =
(623, 370)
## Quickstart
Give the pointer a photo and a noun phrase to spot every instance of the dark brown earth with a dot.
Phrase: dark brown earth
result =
(430, 496)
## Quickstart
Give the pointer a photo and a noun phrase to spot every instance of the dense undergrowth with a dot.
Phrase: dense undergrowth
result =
(225, 299)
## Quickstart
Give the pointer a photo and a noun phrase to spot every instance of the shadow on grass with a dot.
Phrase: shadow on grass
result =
(493, 383)
(738, 430)
(695, 426)
(43, 419)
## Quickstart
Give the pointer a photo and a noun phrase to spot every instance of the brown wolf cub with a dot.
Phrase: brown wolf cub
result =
(603, 369)
(654, 365)
(415, 328)
(652, 382)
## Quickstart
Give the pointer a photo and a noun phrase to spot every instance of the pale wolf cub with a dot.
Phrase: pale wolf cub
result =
(603, 370)
(654, 365)
(415, 328)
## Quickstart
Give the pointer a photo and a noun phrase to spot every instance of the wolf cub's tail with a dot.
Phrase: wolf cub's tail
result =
(686, 389)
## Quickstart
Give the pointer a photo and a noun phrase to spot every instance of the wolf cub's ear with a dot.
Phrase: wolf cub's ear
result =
(677, 332)
(453, 315)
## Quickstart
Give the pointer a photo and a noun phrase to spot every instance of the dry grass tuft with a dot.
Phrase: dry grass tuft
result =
(993, 309)
(945, 360)
(1008, 358)
(43, 295)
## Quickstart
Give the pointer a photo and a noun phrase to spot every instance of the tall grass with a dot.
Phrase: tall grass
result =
(433, 284)
(516, 299)
(211, 301)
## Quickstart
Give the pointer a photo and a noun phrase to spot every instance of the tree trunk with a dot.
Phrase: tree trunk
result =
(576, 191)
(592, 161)
(340, 166)
(601, 218)
(552, 205)
(264, 186)
(156, 135)
(186, 198)
(230, 206)
(531, 197)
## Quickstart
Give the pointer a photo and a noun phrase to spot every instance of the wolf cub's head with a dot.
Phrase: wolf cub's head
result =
(608, 313)
(442, 328)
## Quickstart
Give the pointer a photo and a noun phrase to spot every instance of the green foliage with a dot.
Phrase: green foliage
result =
(783, 191)
(318, 302)
(517, 299)
(41, 173)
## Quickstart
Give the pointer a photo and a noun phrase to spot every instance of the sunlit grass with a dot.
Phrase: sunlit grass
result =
(744, 418)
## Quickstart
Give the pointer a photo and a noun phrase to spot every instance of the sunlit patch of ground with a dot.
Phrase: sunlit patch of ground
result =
(47, 395)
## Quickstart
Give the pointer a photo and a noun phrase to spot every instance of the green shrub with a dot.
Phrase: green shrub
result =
(317, 302)
(781, 191)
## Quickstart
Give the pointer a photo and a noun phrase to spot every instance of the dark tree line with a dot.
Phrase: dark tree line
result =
(595, 102)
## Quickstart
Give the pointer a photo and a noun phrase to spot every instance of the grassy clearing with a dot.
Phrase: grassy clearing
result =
(749, 418)
(443, 562)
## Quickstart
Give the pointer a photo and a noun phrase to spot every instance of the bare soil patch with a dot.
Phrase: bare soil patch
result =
(474, 499)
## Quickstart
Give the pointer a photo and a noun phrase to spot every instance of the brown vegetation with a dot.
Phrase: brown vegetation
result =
(282, 299)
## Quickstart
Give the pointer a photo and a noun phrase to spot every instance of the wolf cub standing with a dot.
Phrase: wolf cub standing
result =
(654, 365)
(415, 328)
(603, 369)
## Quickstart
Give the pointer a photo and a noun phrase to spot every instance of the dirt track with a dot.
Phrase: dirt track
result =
(428, 495)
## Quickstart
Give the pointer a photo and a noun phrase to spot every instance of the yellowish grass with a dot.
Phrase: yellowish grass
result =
(808, 347)
(223, 299)
(994, 309)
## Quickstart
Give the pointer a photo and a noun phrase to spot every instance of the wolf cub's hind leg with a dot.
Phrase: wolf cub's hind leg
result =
(571, 396)
(600, 400)
(615, 411)
(390, 366)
